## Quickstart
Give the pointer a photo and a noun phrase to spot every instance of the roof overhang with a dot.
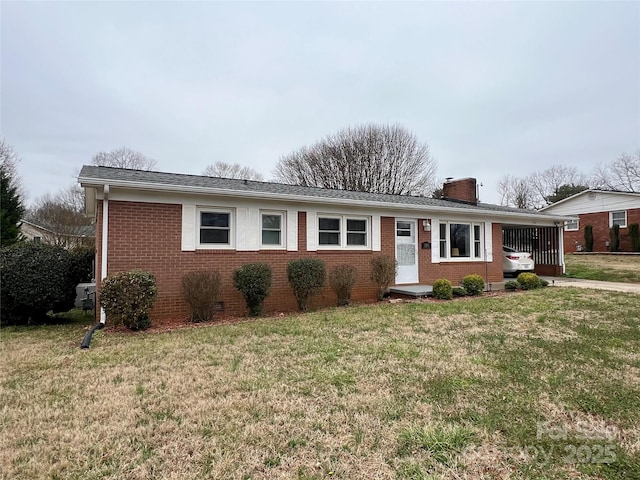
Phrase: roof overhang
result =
(94, 185)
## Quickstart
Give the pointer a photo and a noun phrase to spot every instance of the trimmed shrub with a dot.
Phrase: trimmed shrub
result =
(127, 298)
(35, 278)
(529, 281)
(342, 279)
(442, 289)
(383, 273)
(588, 238)
(201, 290)
(473, 284)
(544, 283)
(306, 276)
(459, 292)
(511, 286)
(634, 235)
(614, 236)
(253, 281)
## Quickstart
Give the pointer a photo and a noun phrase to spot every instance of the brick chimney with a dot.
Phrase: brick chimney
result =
(461, 190)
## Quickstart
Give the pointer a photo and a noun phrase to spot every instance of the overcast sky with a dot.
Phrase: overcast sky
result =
(491, 87)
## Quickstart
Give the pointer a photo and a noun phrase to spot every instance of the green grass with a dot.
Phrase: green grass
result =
(538, 384)
(610, 268)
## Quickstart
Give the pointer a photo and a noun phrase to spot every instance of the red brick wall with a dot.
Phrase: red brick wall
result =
(600, 223)
(148, 236)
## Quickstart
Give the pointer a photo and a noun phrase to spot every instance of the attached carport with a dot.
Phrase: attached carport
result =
(545, 243)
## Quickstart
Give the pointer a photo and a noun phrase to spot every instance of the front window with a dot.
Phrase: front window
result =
(618, 218)
(460, 241)
(272, 223)
(343, 231)
(572, 225)
(215, 228)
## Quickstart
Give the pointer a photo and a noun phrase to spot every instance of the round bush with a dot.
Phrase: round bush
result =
(442, 289)
(35, 278)
(511, 286)
(201, 290)
(544, 283)
(383, 273)
(306, 276)
(529, 281)
(253, 281)
(342, 279)
(473, 284)
(127, 298)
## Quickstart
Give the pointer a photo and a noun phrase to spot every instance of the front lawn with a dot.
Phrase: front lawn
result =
(611, 268)
(538, 384)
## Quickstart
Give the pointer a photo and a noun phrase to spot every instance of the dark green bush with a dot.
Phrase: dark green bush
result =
(306, 276)
(473, 284)
(459, 292)
(634, 235)
(253, 281)
(35, 278)
(544, 283)
(82, 258)
(201, 290)
(127, 297)
(588, 238)
(383, 273)
(529, 281)
(442, 289)
(511, 285)
(342, 279)
(614, 236)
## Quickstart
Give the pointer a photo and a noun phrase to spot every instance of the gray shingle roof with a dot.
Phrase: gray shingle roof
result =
(91, 174)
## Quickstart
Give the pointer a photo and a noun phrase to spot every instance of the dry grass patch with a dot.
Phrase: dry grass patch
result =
(421, 390)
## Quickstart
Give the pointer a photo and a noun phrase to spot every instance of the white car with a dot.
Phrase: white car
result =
(514, 261)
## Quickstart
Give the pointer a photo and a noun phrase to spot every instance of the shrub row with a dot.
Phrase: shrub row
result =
(471, 285)
(526, 281)
(127, 297)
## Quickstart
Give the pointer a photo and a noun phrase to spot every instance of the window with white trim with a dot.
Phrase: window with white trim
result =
(343, 231)
(215, 228)
(272, 229)
(461, 241)
(572, 225)
(618, 218)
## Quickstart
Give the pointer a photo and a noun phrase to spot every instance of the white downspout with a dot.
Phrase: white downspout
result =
(561, 247)
(104, 246)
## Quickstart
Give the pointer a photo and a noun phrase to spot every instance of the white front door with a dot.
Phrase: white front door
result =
(406, 251)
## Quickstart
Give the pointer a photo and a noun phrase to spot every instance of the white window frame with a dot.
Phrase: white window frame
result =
(283, 229)
(611, 218)
(472, 241)
(569, 225)
(344, 233)
(216, 246)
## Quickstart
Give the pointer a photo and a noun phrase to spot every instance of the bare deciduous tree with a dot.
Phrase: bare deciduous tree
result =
(124, 158)
(63, 215)
(516, 192)
(232, 170)
(547, 184)
(622, 174)
(368, 158)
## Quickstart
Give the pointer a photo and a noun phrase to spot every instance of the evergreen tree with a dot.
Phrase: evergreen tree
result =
(11, 209)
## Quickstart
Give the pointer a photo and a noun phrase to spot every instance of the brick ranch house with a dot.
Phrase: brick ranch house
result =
(601, 209)
(170, 224)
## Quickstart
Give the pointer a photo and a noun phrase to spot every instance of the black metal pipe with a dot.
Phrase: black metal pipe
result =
(87, 338)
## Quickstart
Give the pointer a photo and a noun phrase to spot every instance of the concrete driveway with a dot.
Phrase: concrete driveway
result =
(580, 283)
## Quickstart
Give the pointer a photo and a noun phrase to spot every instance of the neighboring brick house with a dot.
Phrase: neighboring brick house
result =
(171, 224)
(601, 209)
